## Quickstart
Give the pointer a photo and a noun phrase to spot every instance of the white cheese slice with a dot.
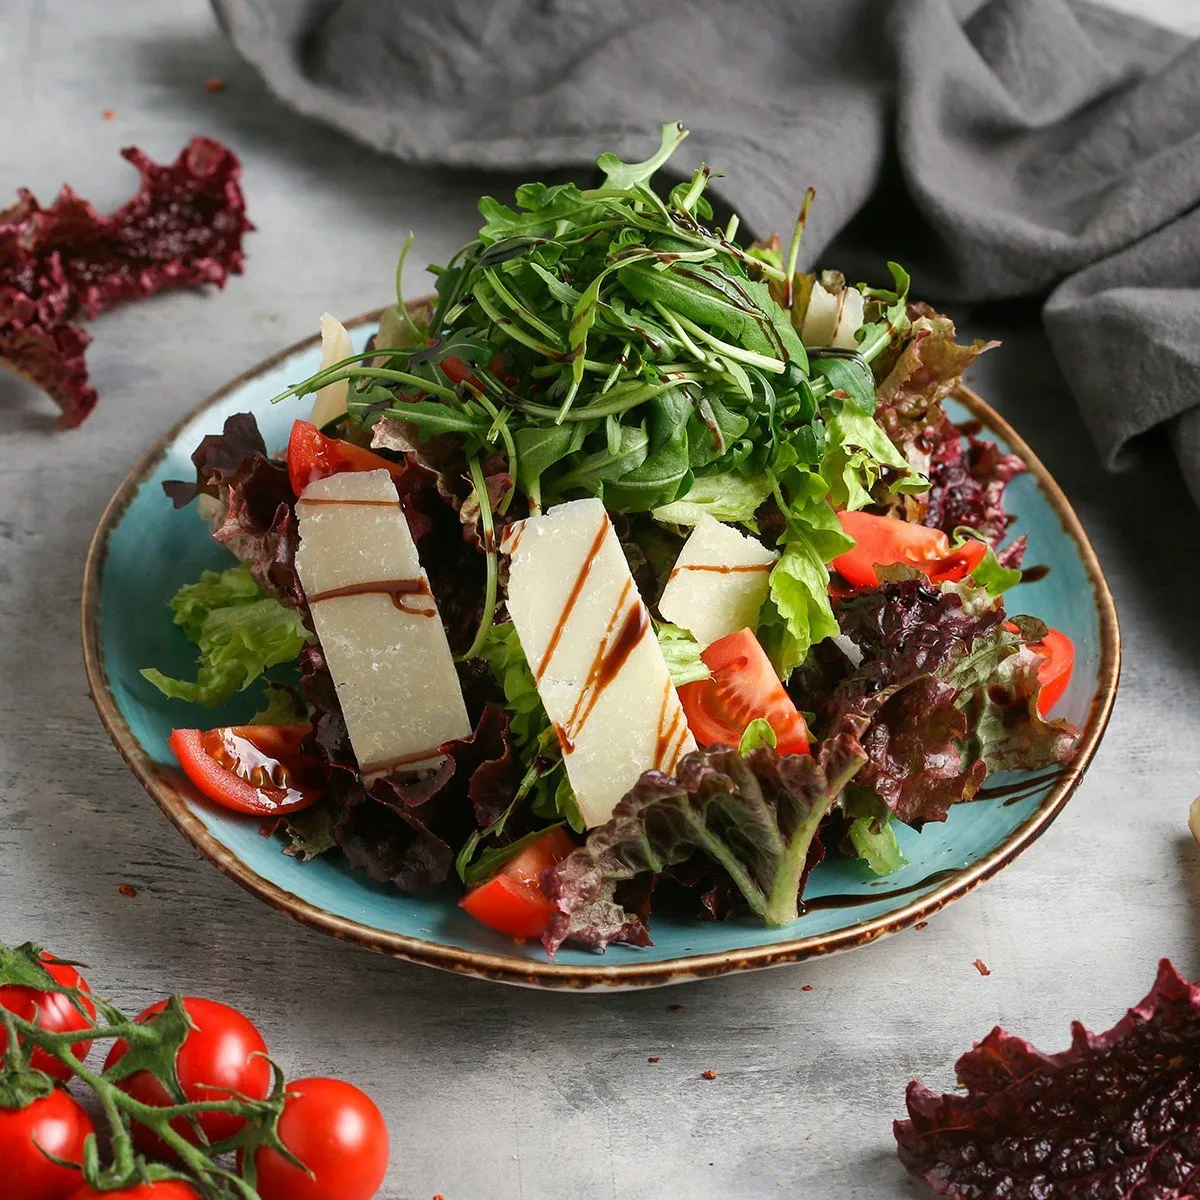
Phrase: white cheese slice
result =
(832, 320)
(335, 345)
(377, 622)
(718, 583)
(587, 635)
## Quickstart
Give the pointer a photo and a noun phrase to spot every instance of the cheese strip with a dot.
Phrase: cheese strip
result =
(377, 622)
(832, 320)
(335, 345)
(599, 671)
(718, 583)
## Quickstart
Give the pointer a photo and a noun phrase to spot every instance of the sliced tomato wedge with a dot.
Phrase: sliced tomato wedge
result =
(511, 901)
(311, 455)
(255, 769)
(743, 686)
(1057, 652)
(883, 541)
(457, 371)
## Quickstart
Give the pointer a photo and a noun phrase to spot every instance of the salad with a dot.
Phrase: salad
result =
(634, 568)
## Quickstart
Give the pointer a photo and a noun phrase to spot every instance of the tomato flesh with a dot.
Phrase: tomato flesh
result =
(256, 769)
(511, 901)
(223, 1053)
(311, 455)
(52, 1012)
(885, 541)
(1058, 663)
(56, 1123)
(338, 1133)
(743, 686)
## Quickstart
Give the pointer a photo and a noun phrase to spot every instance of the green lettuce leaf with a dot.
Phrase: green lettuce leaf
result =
(727, 496)
(682, 654)
(239, 632)
(797, 612)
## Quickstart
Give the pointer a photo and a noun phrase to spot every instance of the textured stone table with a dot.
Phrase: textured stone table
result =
(494, 1093)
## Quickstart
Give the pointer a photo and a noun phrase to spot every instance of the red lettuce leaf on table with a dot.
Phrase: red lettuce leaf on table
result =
(756, 817)
(183, 228)
(1115, 1117)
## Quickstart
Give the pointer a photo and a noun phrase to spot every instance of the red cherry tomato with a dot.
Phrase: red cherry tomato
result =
(311, 455)
(338, 1133)
(743, 686)
(511, 901)
(161, 1189)
(224, 1053)
(52, 1011)
(1058, 653)
(255, 769)
(56, 1123)
(881, 541)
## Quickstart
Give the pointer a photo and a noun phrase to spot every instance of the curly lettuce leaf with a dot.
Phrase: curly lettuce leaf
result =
(239, 632)
(681, 652)
(797, 612)
(756, 817)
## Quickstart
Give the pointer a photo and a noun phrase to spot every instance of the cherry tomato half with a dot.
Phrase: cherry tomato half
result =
(224, 1053)
(52, 1012)
(1058, 655)
(56, 1123)
(255, 769)
(743, 686)
(338, 1133)
(881, 541)
(160, 1189)
(311, 455)
(511, 901)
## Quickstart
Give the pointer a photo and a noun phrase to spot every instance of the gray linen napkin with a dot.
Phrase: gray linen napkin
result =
(1018, 148)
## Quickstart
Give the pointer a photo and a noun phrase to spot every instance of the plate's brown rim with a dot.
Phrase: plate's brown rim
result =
(534, 973)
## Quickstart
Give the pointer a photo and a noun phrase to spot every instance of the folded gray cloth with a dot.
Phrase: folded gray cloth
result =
(1018, 148)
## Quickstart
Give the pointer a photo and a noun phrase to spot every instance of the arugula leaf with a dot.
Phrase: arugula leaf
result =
(682, 654)
(239, 631)
(489, 861)
(622, 176)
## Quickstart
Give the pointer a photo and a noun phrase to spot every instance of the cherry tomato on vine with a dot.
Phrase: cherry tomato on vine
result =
(56, 1123)
(52, 1012)
(161, 1189)
(338, 1133)
(223, 1053)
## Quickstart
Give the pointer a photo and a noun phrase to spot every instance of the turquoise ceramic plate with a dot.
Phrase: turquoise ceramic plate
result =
(144, 550)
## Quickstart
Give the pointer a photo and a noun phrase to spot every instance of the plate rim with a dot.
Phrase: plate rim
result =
(549, 974)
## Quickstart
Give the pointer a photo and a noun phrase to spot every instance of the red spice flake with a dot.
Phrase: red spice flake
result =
(674, 1007)
(184, 228)
(439, 1196)
(921, 925)
(807, 987)
(709, 1074)
(127, 889)
(1113, 1117)
(108, 114)
(214, 85)
(653, 1058)
(982, 967)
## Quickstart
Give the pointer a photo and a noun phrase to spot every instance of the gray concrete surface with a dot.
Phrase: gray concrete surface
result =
(494, 1093)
